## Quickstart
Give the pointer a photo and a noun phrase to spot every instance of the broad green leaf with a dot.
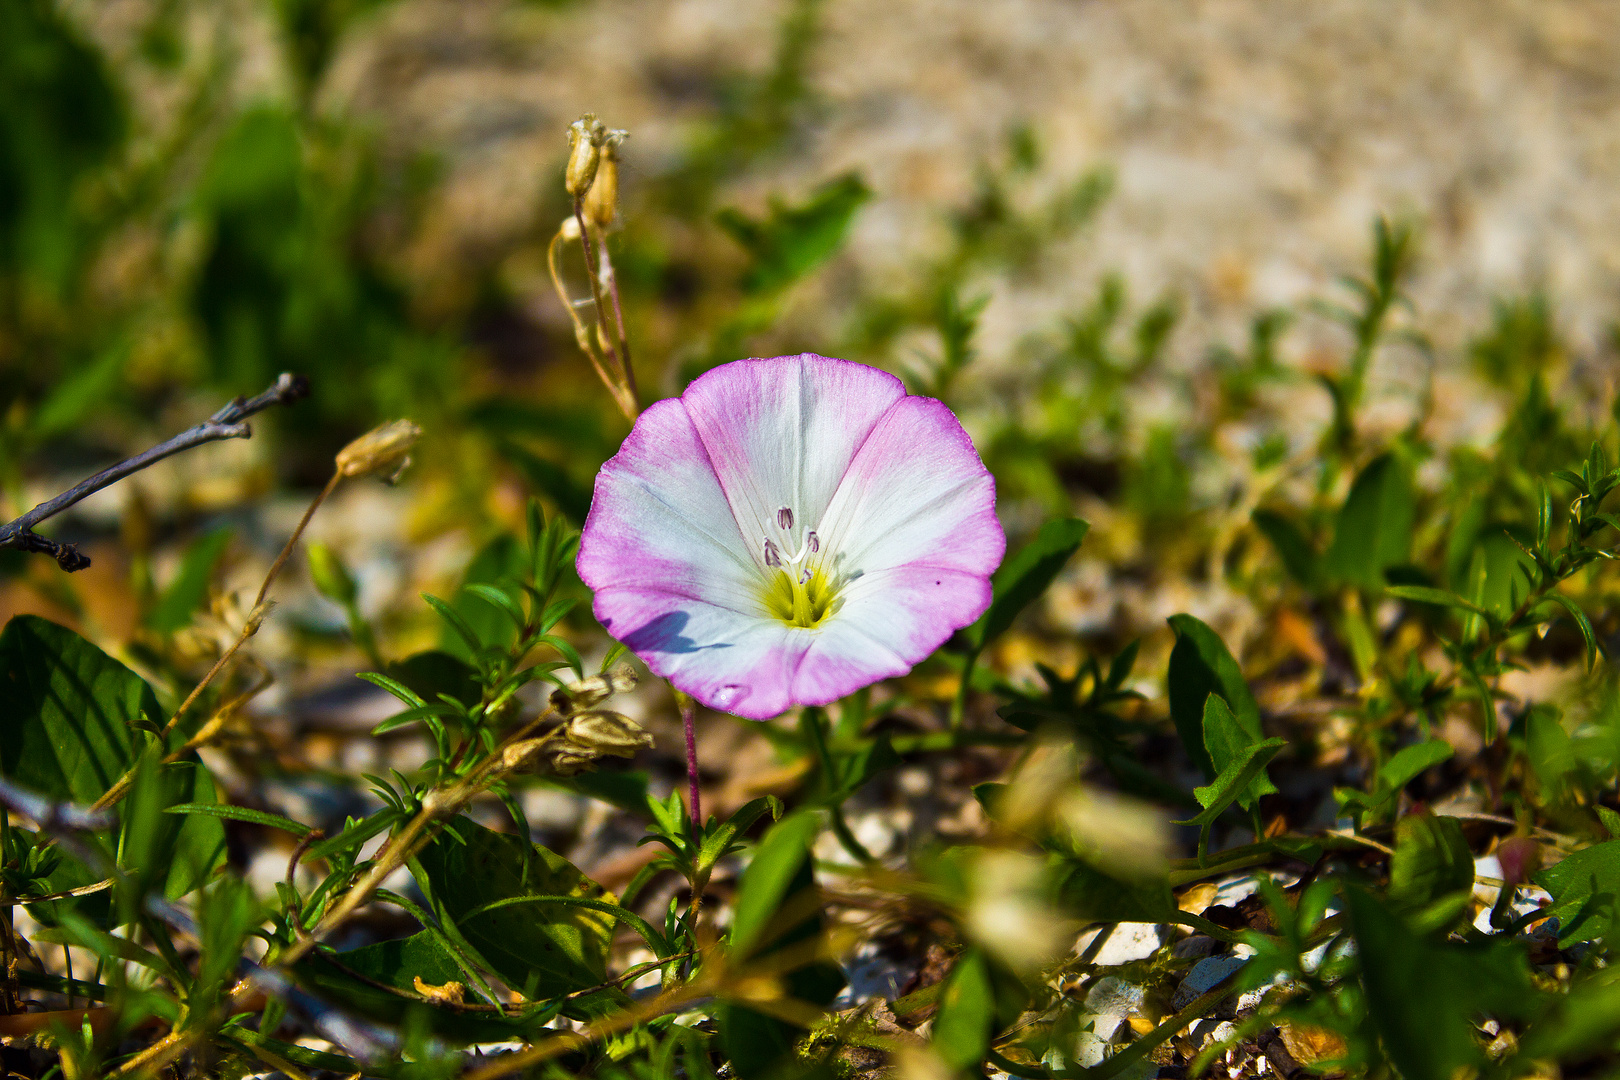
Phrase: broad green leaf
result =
(1549, 746)
(1025, 576)
(1410, 762)
(1374, 530)
(542, 951)
(72, 713)
(1507, 572)
(1579, 1024)
(1233, 781)
(1432, 866)
(1300, 559)
(189, 589)
(1200, 665)
(349, 979)
(1585, 888)
(967, 1012)
(433, 672)
(1424, 996)
(1226, 742)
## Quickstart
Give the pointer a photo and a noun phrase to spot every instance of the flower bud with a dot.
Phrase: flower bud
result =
(602, 198)
(585, 137)
(331, 577)
(384, 449)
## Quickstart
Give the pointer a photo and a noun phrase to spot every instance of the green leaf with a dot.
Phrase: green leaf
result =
(1299, 558)
(499, 563)
(777, 906)
(542, 953)
(350, 979)
(1233, 781)
(1374, 530)
(1410, 762)
(1585, 888)
(1024, 577)
(1098, 896)
(1439, 597)
(431, 673)
(1431, 867)
(967, 1012)
(1227, 743)
(1200, 665)
(1580, 1024)
(242, 813)
(790, 241)
(1581, 621)
(72, 713)
(1424, 996)
(189, 589)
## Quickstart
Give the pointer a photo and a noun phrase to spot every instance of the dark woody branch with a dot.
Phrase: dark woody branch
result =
(228, 423)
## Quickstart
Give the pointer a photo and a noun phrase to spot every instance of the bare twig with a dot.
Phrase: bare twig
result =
(228, 423)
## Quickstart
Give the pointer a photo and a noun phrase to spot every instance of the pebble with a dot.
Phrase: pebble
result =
(1195, 947)
(1126, 941)
(1204, 975)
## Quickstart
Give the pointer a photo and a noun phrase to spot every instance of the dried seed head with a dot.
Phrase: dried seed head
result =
(602, 197)
(597, 688)
(585, 137)
(607, 732)
(382, 450)
(451, 993)
(525, 755)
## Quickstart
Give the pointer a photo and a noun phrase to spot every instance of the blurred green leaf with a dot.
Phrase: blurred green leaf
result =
(1425, 996)
(189, 589)
(1023, 578)
(790, 241)
(1094, 894)
(1374, 529)
(1300, 559)
(967, 1010)
(1431, 874)
(433, 672)
(1200, 665)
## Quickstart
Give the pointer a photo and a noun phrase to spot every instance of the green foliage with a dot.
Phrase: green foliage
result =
(1201, 665)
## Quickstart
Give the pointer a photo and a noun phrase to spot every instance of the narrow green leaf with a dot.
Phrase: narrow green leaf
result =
(499, 599)
(1439, 597)
(189, 589)
(242, 813)
(1409, 762)
(1581, 621)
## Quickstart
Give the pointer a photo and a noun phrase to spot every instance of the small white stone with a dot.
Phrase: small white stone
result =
(1126, 941)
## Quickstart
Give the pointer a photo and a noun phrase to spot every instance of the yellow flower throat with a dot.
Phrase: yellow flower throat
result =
(802, 604)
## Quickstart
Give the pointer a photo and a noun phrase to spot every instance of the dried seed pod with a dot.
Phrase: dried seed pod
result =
(602, 197)
(607, 732)
(585, 137)
(383, 449)
(593, 690)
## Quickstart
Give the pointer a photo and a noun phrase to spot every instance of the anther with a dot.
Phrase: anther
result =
(772, 556)
(784, 518)
(811, 539)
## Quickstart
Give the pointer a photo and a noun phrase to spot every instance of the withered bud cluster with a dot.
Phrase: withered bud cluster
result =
(587, 733)
(593, 169)
(386, 449)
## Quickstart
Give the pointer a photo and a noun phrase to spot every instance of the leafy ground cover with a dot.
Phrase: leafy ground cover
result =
(1287, 745)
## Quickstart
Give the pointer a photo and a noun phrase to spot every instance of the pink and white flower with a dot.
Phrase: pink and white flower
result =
(788, 531)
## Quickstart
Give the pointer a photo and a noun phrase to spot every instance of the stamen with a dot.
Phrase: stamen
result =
(784, 518)
(812, 541)
(773, 557)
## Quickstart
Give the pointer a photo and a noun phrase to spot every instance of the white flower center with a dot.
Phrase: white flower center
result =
(801, 594)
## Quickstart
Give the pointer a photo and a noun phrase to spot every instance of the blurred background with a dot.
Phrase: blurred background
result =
(1114, 236)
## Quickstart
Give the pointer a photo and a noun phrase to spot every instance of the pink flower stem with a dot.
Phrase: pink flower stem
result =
(694, 799)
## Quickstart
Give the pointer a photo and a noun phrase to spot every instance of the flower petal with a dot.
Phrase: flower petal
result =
(782, 432)
(736, 663)
(659, 520)
(915, 494)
